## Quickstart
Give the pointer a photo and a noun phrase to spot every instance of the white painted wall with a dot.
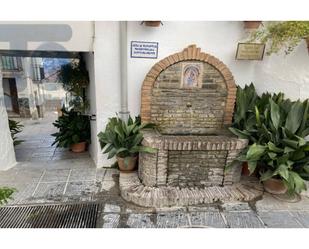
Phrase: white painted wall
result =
(289, 74)
(107, 78)
(7, 154)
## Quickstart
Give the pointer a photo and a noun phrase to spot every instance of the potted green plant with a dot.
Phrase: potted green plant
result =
(277, 144)
(15, 128)
(123, 139)
(152, 23)
(282, 35)
(74, 130)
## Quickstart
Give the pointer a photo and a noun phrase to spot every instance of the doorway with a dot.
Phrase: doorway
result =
(10, 96)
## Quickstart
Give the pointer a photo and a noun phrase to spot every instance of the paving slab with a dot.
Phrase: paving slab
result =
(111, 208)
(140, 220)
(279, 219)
(207, 219)
(243, 219)
(49, 190)
(56, 175)
(80, 188)
(88, 174)
(302, 217)
(172, 220)
(111, 220)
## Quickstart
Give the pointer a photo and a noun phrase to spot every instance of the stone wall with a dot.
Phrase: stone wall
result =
(195, 168)
(198, 110)
(215, 73)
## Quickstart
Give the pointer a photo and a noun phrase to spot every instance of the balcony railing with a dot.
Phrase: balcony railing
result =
(11, 63)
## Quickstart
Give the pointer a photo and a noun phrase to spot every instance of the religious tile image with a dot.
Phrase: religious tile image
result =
(191, 75)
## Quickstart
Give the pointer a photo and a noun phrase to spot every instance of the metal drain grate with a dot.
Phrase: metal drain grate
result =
(50, 216)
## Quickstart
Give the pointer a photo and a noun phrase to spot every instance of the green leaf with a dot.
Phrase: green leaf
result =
(119, 131)
(274, 148)
(294, 118)
(267, 175)
(257, 116)
(304, 119)
(291, 143)
(108, 149)
(297, 184)
(121, 150)
(272, 155)
(112, 153)
(252, 166)
(274, 114)
(283, 171)
(75, 138)
(239, 133)
(255, 152)
(143, 149)
(288, 149)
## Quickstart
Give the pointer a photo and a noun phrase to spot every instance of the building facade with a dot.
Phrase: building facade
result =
(22, 88)
(117, 68)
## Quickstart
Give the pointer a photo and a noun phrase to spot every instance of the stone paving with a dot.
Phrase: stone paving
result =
(71, 178)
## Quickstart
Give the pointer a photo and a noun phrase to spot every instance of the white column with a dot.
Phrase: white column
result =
(7, 154)
(107, 78)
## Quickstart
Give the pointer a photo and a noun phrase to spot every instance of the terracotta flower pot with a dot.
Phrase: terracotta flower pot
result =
(252, 24)
(79, 147)
(275, 186)
(245, 169)
(152, 23)
(127, 164)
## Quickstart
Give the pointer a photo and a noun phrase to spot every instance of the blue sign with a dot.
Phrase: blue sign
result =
(141, 49)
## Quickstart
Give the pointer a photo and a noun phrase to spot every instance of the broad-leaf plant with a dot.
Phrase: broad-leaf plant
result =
(124, 138)
(276, 129)
(74, 127)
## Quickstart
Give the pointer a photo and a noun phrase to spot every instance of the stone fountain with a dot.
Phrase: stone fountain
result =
(190, 97)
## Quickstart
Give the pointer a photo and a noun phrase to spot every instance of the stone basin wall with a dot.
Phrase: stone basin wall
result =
(190, 161)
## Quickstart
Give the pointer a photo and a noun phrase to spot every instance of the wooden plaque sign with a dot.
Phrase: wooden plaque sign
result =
(250, 51)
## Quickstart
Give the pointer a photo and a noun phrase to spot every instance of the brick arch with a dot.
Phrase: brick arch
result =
(189, 53)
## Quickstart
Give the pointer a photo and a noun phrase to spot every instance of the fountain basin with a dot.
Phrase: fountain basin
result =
(190, 161)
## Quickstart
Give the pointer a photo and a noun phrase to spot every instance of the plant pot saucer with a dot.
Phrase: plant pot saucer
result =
(287, 197)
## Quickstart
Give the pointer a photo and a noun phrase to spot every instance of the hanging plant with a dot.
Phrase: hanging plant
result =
(75, 78)
(282, 35)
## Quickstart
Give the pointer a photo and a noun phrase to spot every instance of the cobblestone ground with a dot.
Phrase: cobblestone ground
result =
(45, 174)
